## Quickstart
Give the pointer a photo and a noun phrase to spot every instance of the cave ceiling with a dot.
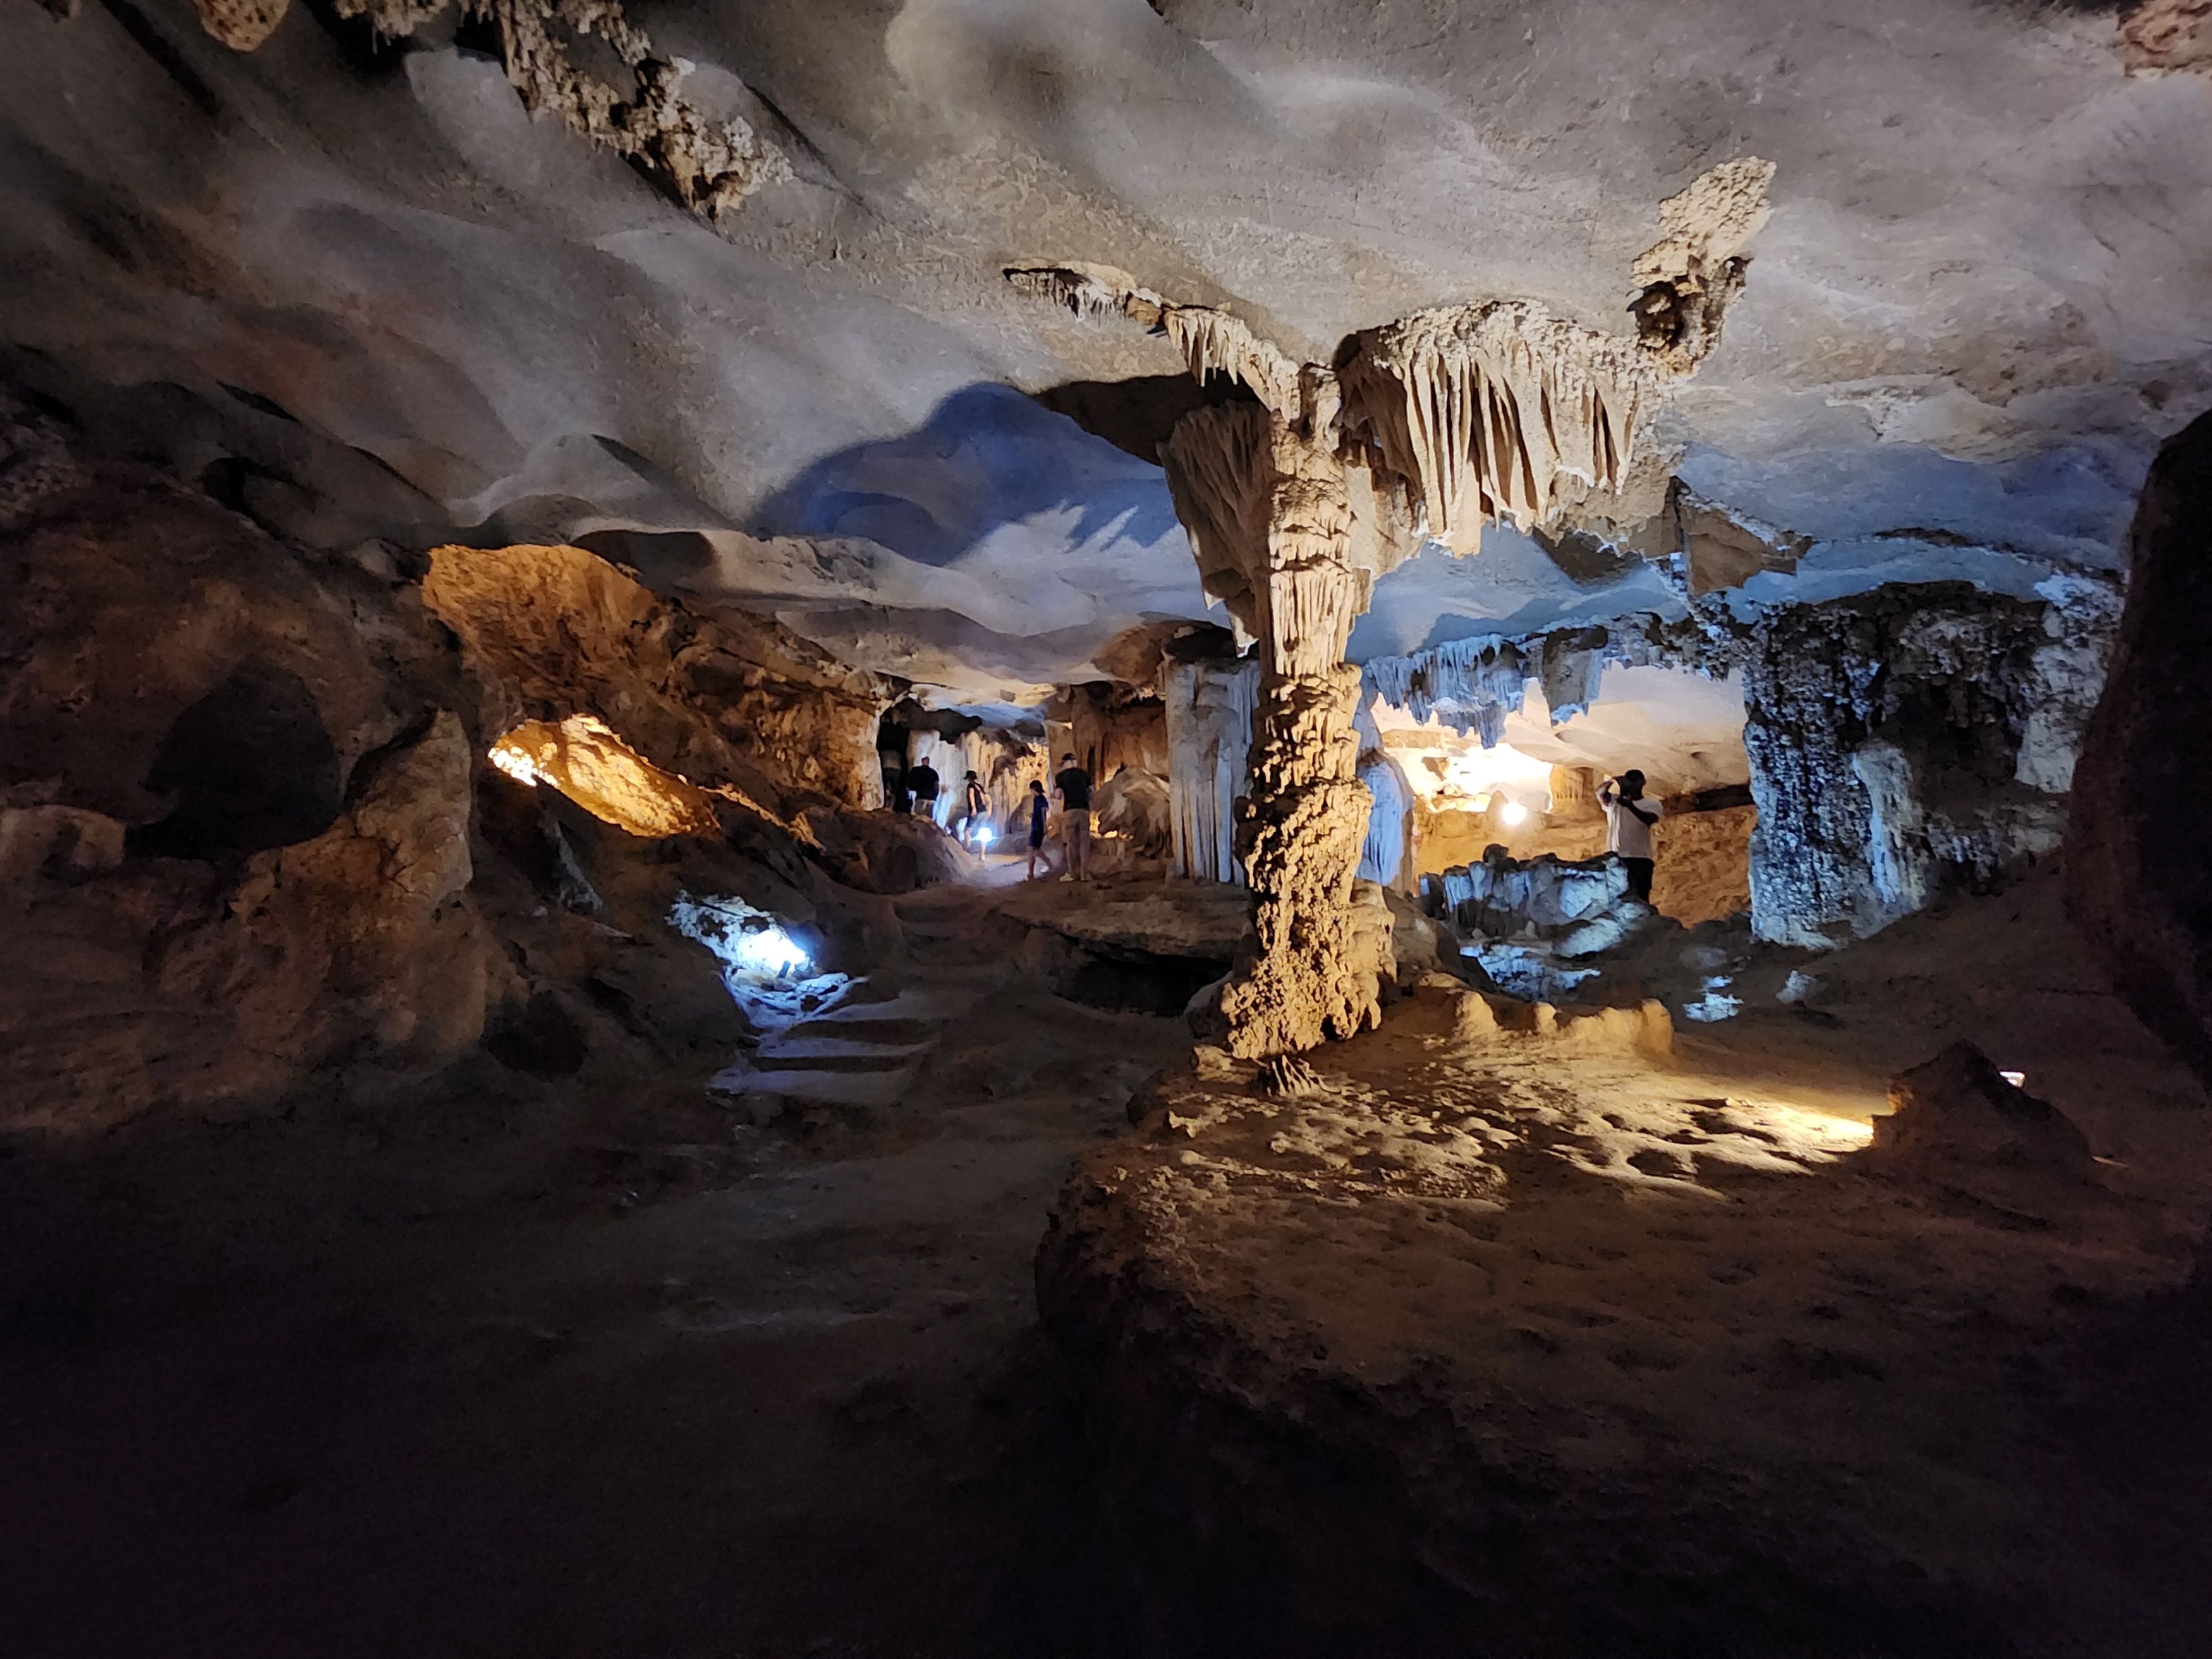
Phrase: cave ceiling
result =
(358, 273)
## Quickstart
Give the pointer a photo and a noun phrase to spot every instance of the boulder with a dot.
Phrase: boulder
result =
(1957, 1114)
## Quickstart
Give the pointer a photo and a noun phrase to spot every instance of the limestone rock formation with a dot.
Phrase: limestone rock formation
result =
(2139, 851)
(1914, 740)
(1208, 708)
(709, 165)
(1133, 805)
(1297, 502)
(241, 25)
(588, 764)
(730, 703)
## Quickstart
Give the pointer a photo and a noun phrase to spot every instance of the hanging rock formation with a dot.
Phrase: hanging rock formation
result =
(1296, 502)
(1209, 706)
(709, 165)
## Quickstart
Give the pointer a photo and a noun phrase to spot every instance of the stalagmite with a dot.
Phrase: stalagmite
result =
(1295, 503)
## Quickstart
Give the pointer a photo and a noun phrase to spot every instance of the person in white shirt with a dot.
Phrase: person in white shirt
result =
(1629, 816)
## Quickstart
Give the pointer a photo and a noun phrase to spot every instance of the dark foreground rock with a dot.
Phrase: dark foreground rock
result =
(2139, 854)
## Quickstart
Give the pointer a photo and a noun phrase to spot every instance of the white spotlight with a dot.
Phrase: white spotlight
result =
(984, 838)
(770, 951)
(2018, 1079)
(1513, 812)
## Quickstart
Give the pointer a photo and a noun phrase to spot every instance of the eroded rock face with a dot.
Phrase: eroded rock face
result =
(1911, 740)
(1133, 805)
(239, 848)
(730, 702)
(2139, 856)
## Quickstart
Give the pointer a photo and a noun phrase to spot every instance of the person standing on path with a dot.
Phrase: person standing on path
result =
(1039, 810)
(1073, 785)
(1629, 816)
(975, 808)
(922, 781)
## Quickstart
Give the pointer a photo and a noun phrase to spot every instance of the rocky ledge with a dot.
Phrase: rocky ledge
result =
(1502, 1331)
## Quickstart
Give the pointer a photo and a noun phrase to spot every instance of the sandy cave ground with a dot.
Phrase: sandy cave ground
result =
(556, 1370)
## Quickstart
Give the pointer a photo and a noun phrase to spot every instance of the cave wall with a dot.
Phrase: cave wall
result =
(234, 804)
(2139, 854)
(252, 844)
(1909, 741)
(1004, 761)
(725, 700)
(1109, 727)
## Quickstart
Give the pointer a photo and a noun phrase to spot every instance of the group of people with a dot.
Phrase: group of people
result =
(914, 789)
(1629, 816)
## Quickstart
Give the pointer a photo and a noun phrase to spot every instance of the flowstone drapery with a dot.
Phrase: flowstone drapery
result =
(1298, 499)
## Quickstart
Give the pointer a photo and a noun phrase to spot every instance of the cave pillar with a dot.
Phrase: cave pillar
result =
(1301, 828)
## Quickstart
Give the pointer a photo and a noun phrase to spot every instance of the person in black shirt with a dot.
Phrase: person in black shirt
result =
(922, 781)
(1073, 785)
(975, 809)
(1040, 808)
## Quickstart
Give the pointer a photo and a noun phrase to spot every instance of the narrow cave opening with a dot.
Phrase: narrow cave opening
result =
(1534, 792)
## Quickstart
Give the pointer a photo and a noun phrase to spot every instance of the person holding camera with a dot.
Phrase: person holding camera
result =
(1629, 816)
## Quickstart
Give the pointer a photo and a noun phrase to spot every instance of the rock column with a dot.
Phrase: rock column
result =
(1301, 828)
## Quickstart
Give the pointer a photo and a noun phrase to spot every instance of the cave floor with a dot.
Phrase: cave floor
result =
(1606, 1352)
(603, 1366)
(517, 1367)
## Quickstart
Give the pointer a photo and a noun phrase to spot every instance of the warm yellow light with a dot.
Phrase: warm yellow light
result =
(586, 760)
(1513, 812)
(510, 759)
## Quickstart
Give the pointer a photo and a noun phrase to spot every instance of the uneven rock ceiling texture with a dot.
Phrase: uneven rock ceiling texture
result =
(728, 306)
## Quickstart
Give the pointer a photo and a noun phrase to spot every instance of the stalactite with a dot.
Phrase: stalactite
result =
(1487, 407)
(1211, 341)
(709, 165)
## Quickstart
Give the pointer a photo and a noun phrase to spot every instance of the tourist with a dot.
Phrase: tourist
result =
(1629, 816)
(975, 809)
(922, 781)
(1073, 785)
(1040, 809)
(895, 789)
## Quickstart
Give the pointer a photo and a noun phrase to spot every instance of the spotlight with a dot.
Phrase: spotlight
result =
(1513, 812)
(2018, 1079)
(770, 951)
(983, 839)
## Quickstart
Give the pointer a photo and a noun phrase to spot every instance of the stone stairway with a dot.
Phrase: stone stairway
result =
(864, 1052)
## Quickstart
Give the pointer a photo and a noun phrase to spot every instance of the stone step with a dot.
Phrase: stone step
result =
(859, 1054)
